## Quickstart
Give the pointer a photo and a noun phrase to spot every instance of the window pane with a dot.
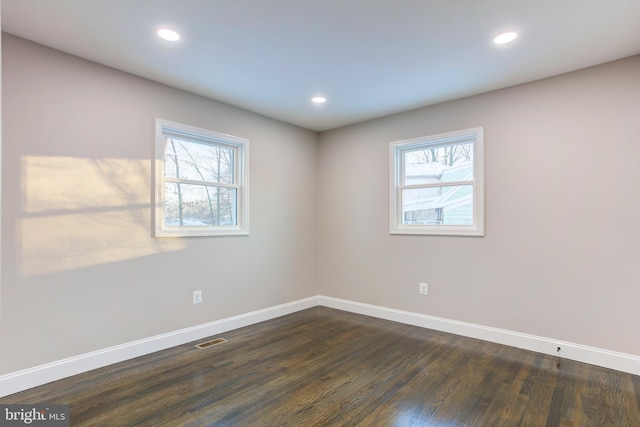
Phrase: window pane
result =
(438, 206)
(447, 163)
(198, 162)
(199, 205)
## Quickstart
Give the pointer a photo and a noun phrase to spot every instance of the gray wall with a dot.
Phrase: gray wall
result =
(562, 246)
(81, 270)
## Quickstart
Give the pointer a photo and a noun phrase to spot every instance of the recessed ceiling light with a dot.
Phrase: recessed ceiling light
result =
(319, 99)
(168, 35)
(505, 38)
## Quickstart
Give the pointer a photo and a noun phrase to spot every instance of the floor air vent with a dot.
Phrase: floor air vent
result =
(211, 343)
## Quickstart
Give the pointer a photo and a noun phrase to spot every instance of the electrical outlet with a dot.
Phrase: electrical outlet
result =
(423, 288)
(197, 297)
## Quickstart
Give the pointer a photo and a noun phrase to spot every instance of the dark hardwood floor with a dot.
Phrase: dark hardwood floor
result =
(323, 367)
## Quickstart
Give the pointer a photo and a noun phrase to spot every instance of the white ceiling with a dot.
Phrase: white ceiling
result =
(370, 58)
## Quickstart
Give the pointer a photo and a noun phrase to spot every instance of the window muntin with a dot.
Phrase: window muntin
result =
(201, 182)
(437, 184)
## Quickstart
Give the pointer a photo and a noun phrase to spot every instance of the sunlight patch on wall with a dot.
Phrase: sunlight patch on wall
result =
(79, 212)
(68, 183)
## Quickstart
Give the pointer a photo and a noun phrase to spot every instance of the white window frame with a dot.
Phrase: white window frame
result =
(241, 180)
(398, 148)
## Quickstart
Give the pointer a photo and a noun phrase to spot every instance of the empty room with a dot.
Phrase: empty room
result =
(320, 213)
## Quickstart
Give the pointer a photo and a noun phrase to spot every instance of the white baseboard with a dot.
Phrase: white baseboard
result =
(581, 353)
(32, 377)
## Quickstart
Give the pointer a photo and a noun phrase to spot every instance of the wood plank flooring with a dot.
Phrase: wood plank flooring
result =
(324, 367)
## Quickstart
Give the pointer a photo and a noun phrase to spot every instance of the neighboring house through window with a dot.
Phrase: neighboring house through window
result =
(437, 184)
(201, 182)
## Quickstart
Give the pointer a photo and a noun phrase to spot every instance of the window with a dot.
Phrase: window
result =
(201, 182)
(437, 184)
